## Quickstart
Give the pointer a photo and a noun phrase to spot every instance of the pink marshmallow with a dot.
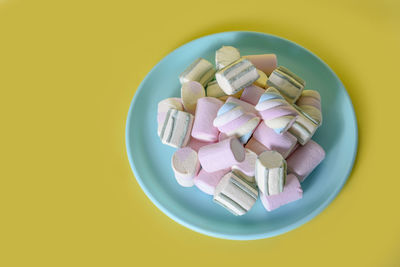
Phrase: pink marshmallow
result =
(255, 146)
(305, 159)
(208, 181)
(246, 106)
(221, 155)
(236, 123)
(206, 111)
(282, 143)
(252, 94)
(291, 192)
(265, 62)
(196, 144)
(222, 136)
(248, 166)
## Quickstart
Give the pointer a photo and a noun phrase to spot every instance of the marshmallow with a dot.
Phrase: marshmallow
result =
(236, 76)
(176, 128)
(190, 92)
(249, 108)
(186, 165)
(247, 167)
(303, 128)
(276, 112)
(164, 106)
(270, 172)
(291, 192)
(305, 159)
(196, 144)
(283, 143)
(235, 194)
(310, 103)
(200, 71)
(252, 94)
(262, 80)
(214, 90)
(222, 136)
(225, 56)
(208, 181)
(266, 62)
(233, 121)
(255, 146)
(287, 83)
(221, 155)
(206, 111)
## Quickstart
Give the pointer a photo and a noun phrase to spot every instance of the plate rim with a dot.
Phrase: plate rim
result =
(211, 233)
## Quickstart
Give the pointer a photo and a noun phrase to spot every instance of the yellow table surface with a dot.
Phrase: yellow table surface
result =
(68, 72)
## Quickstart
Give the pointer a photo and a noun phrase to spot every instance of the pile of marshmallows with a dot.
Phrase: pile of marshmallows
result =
(250, 129)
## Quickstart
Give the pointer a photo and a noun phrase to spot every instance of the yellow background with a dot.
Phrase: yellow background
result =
(68, 72)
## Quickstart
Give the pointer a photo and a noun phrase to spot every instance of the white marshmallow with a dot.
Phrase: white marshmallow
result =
(270, 172)
(200, 70)
(225, 56)
(176, 128)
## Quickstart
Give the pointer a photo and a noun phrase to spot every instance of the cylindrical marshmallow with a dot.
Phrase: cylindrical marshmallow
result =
(190, 92)
(186, 165)
(303, 128)
(221, 155)
(262, 80)
(200, 71)
(305, 159)
(265, 62)
(214, 90)
(206, 111)
(248, 165)
(196, 144)
(291, 192)
(270, 172)
(225, 56)
(283, 143)
(234, 121)
(310, 103)
(164, 106)
(276, 112)
(235, 194)
(288, 84)
(208, 181)
(249, 108)
(176, 128)
(255, 146)
(236, 76)
(252, 94)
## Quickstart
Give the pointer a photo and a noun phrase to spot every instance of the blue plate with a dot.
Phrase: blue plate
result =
(150, 159)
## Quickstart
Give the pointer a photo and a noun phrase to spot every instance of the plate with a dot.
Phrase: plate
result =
(150, 159)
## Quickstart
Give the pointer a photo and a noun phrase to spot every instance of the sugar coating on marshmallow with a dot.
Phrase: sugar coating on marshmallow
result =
(235, 194)
(200, 70)
(208, 181)
(176, 128)
(291, 192)
(305, 159)
(190, 92)
(225, 56)
(283, 143)
(287, 83)
(206, 111)
(270, 172)
(275, 111)
(264, 62)
(186, 165)
(262, 80)
(221, 155)
(236, 76)
(196, 144)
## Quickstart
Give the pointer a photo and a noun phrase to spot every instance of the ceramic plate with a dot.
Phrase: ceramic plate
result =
(150, 159)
